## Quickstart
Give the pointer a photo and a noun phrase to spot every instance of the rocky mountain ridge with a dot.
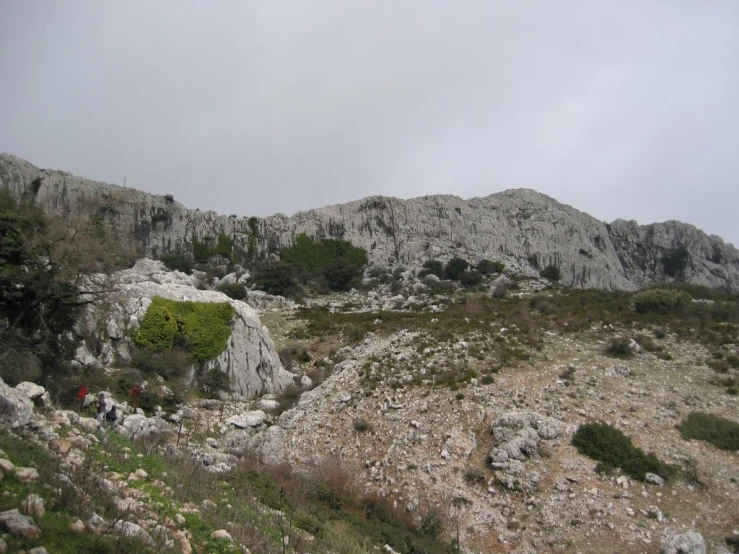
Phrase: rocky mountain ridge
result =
(522, 228)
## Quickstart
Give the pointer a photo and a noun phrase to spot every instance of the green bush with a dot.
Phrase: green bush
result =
(718, 431)
(214, 381)
(277, 278)
(551, 272)
(170, 364)
(237, 291)
(660, 301)
(619, 348)
(488, 267)
(431, 267)
(470, 278)
(455, 268)
(613, 449)
(200, 328)
(340, 274)
(177, 261)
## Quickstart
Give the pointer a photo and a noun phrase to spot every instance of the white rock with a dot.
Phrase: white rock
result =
(248, 419)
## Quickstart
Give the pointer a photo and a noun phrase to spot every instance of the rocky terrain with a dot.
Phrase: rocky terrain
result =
(490, 453)
(522, 228)
(412, 413)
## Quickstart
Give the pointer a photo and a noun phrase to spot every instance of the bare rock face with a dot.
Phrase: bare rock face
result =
(16, 409)
(522, 228)
(250, 359)
(684, 543)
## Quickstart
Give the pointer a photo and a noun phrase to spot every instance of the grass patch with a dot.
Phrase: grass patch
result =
(716, 430)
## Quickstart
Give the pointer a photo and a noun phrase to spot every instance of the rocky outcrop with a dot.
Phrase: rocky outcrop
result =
(250, 359)
(16, 409)
(522, 228)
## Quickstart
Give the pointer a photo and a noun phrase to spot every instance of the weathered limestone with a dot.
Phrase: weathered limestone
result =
(16, 409)
(522, 228)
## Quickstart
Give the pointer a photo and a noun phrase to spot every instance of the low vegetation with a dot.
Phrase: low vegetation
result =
(200, 328)
(613, 449)
(716, 430)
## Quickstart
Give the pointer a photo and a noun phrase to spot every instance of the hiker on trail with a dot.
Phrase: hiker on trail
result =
(112, 417)
(101, 407)
(135, 393)
(82, 395)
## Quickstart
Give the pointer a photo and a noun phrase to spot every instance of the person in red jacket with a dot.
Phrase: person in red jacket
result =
(82, 394)
(135, 393)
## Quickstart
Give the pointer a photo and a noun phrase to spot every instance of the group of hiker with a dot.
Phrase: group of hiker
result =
(104, 408)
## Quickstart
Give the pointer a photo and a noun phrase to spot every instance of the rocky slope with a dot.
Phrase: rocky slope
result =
(250, 359)
(522, 228)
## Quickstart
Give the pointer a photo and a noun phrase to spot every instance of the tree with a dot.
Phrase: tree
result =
(277, 278)
(44, 262)
(340, 274)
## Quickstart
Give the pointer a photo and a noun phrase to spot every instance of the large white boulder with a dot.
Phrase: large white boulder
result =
(250, 360)
(16, 409)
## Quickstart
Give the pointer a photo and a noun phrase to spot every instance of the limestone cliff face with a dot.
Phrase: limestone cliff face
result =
(522, 228)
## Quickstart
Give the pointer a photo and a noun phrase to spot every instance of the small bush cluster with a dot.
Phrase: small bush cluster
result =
(613, 449)
(716, 430)
(237, 291)
(619, 348)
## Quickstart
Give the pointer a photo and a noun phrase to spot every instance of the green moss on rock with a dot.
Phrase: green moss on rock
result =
(201, 328)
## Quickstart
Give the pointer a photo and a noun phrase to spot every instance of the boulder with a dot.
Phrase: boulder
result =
(33, 505)
(19, 525)
(250, 359)
(249, 419)
(16, 409)
(683, 543)
(35, 393)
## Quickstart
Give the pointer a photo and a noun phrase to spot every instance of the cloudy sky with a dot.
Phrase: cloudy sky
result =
(623, 109)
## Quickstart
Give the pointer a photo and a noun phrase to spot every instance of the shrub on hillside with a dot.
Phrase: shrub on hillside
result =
(277, 278)
(551, 272)
(177, 261)
(454, 268)
(619, 348)
(613, 449)
(201, 328)
(470, 278)
(431, 267)
(718, 431)
(341, 274)
(660, 301)
(675, 261)
(237, 291)
(488, 267)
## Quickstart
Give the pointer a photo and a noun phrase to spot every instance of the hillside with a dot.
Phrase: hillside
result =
(522, 228)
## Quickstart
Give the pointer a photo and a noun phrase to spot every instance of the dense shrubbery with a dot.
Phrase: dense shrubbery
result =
(335, 264)
(431, 267)
(177, 261)
(660, 301)
(720, 432)
(613, 449)
(454, 268)
(200, 328)
(488, 267)
(237, 291)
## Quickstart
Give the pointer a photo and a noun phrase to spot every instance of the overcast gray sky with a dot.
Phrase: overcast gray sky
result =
(623, 109)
